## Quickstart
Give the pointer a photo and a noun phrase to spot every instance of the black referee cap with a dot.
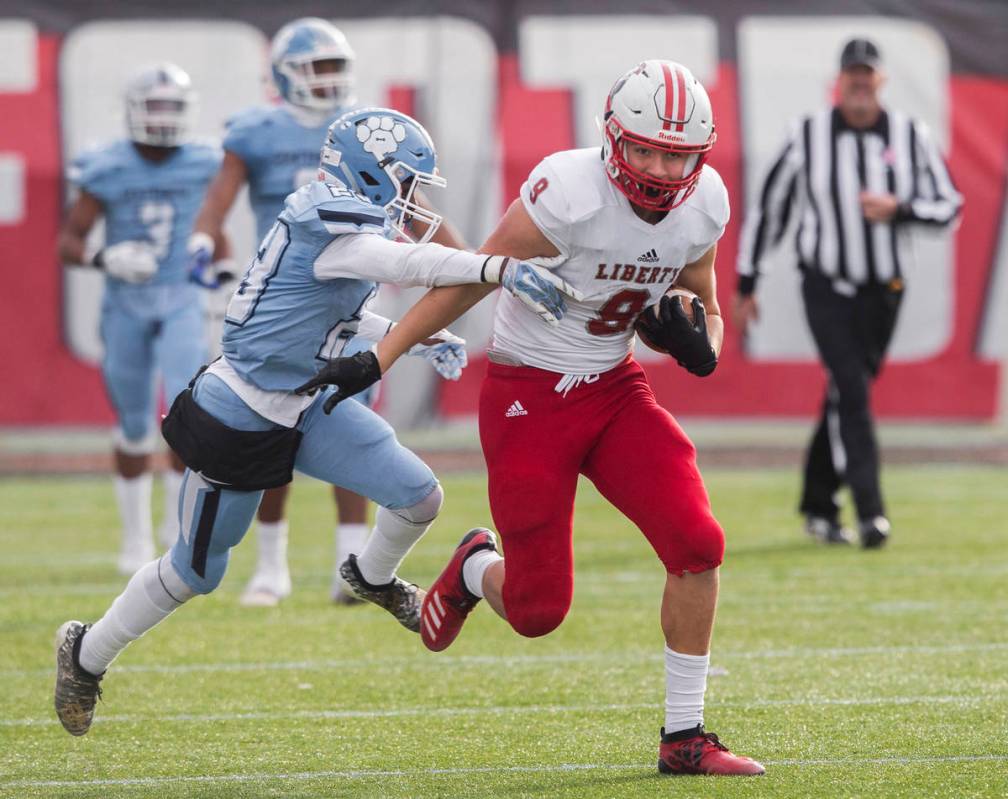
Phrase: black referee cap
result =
(858, 52)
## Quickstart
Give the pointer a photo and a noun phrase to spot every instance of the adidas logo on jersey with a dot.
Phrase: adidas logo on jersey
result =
(516, 409)
(649, 257)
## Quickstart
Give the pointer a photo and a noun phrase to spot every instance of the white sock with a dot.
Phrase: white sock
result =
(350, 538)
(272, 538)
(475, 567)
(133, 495)
(685, 683)
(170, 525)
(150, 595)
(391, 539)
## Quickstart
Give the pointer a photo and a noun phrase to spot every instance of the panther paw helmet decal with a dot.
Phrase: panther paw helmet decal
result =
(380, 136)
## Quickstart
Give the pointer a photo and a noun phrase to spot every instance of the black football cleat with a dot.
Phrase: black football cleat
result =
(77, 691)
(828, 531)
(398, 597)
(874, 532)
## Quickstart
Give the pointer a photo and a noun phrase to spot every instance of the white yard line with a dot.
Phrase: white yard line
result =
(365, 774)
(440, 662)
(201, 718)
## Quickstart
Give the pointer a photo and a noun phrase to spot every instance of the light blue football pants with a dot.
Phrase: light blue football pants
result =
(352, 447)
(149, 330)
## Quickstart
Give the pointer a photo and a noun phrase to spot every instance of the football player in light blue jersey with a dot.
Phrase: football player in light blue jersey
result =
(250, 418)
(148, 187)
(275, 150)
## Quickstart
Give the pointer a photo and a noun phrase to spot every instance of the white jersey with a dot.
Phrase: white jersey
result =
(621, 263)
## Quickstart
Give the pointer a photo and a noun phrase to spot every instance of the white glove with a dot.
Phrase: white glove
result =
(446, 353)
(539, 290)
(132, 261)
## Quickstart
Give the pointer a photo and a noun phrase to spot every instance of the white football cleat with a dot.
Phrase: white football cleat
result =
(266, 589)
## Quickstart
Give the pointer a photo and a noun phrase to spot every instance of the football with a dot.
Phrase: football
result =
(683, 296)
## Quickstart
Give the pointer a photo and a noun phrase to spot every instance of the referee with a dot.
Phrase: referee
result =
(850, 178)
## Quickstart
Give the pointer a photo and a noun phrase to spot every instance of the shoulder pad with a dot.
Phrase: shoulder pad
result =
(250, 118)
(711, 196)
(244, 130)
(90, 167)
(333, 210)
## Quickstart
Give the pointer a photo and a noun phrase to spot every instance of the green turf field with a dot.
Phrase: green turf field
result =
(847, 673)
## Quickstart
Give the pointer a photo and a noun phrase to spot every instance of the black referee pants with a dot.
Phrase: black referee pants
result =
(852, 331)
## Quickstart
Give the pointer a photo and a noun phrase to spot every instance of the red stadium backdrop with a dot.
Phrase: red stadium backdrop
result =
(44, 383)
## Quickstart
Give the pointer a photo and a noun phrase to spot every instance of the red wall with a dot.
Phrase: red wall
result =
(44, 384)
(953, 384)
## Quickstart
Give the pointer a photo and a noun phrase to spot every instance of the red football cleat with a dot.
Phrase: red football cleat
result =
(700, 752)
(448, 601)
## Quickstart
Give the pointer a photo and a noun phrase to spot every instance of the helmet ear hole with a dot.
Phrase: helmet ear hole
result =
(369, 179)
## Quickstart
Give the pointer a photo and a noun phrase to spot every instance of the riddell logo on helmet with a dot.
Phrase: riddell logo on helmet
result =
(664, 134)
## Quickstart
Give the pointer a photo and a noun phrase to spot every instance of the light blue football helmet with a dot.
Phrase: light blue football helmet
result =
(296, 53)
(384, 155)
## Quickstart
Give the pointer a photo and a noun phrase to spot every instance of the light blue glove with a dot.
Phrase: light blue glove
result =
(202, 269)
(446, 353)
(539, 289)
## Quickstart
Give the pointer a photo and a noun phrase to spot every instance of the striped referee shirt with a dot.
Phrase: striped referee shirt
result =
(817, 179)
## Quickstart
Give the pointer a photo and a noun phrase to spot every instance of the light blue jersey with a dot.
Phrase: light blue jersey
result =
(280, 154)
(283, 321)
(149, 201)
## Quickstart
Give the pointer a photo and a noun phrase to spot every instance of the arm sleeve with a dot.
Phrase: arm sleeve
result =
(366, 256)
(768, 218)
(546, 204)
(373, 327)
(935, 201)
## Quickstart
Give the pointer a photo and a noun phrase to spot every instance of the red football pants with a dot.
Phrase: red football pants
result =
(537, 441)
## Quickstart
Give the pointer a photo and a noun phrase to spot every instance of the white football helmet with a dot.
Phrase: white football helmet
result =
(661, 105)
(313, 65)
(160, 106)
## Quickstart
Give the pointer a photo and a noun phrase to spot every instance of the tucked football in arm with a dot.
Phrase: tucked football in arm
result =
(682, 296)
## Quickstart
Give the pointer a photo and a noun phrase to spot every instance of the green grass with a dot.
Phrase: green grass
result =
(848, 673)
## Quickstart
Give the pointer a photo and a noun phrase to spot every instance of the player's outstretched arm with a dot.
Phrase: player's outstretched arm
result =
(518, 236)
(435, 310)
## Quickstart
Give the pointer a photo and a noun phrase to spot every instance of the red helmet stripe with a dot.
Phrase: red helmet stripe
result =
(667, 116)
(680, 99)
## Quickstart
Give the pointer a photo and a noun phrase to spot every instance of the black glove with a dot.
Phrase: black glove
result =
(349, 375)
(687, 342)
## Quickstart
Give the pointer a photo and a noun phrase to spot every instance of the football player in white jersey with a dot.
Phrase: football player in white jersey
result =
(557, 403)
(274, 150)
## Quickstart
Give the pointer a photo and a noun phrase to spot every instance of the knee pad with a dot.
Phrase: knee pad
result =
(134, 435)
(537, 612)
(166, 579)
(425, 511)
(180, 560)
